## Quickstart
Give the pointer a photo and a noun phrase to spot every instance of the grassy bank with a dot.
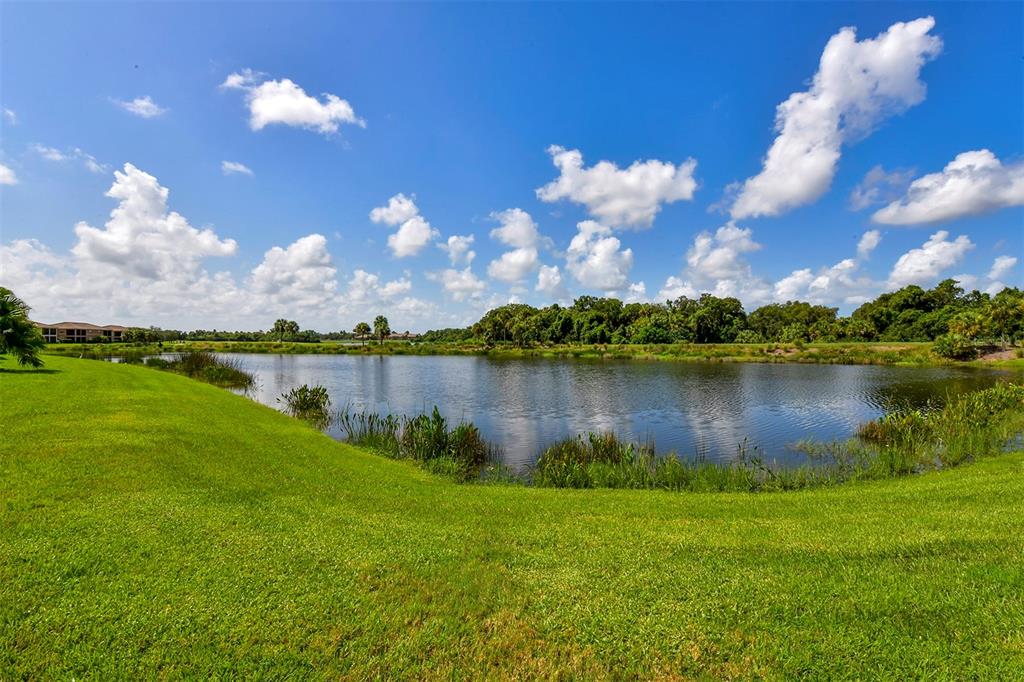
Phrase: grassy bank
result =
(154, 526)
(909, 354)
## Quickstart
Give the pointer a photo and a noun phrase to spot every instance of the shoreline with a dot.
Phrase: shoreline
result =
(913, 354)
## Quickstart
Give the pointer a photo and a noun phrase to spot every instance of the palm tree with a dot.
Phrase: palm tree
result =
(18, 336)
(362, 330)
(381, 329)
(284, 327)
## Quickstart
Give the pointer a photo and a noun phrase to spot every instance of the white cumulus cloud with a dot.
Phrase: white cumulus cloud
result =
(143, 107)
(837, 283)
(458, 248)
(398, 209)
(857, 85)
(549, 282)
(366, 287)
(514, 265)
(617, 197)
(1002, 266)
(146, 267)
(7, 176)
(596, 259)
(868, 242)
(142, 236)
(284, 102)
(414, 231)
(716, 264)
(676, 287)
(636, 293)
(516, 228)
(459, 284)
(923, 265)
(972, 183)
(300, 274)
(412, 236)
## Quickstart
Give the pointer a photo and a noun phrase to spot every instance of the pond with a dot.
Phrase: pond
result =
(705, 409)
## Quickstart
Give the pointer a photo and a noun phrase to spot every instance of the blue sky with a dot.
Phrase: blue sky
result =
(460, 105)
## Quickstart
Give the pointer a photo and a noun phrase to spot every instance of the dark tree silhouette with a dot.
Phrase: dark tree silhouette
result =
(18, 336)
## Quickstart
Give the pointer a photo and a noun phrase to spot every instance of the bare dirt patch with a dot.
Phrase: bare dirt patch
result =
(1008, 354)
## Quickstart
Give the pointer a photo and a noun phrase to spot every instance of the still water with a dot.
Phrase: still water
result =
(689, 408)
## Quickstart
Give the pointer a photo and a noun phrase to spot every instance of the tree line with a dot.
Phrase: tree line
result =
(282, 330)
(909, 314)
(955, 319)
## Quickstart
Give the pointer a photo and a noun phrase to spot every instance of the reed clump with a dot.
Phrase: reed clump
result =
(212, 368)
(603, 460)
(309, 403)
(457, 451)
(201, 365)
(969, 426)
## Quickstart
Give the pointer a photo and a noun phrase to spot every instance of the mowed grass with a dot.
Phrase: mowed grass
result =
(154, 526)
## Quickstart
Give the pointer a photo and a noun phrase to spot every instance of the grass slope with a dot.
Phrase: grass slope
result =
(151, 525)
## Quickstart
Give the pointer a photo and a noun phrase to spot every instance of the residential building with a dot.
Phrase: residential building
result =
(80, 332)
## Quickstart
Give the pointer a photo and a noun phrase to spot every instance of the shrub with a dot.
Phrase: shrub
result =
(749, 336)
(459, 452)
(306, 398)
(955, 347)
(212, 369)
(309, 403)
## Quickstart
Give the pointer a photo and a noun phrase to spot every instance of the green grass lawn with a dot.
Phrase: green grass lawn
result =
(154, 526)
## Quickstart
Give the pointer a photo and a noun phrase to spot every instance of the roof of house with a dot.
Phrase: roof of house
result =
(82, 325)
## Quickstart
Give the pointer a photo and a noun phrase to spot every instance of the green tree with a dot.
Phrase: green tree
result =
(651, 329)
(362, 330)
(1006, 315)
(283, 328)
(717, 320)
(969, 324)
(18, 335)
(381, 328)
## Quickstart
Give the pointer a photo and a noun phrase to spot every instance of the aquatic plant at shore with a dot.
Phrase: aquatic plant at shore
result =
(969, 426)
(202, 365)
(602, 460)
(309, 403)
(459, 452)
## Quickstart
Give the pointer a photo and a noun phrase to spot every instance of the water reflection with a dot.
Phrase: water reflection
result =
(691, 408)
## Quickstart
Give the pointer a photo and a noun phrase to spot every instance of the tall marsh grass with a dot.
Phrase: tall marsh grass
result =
(969, 426)
(213, 369)
(309, 403)
(602, 460)
(209, 367)
(457, 451)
